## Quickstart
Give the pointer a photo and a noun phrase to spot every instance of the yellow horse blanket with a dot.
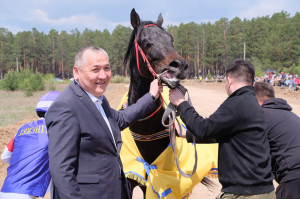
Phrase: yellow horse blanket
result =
(164, 180)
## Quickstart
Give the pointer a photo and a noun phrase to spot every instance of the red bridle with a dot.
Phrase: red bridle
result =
(137, 50)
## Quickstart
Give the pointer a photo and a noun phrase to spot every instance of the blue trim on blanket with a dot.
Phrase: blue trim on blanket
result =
(148, 167)
(166, 192)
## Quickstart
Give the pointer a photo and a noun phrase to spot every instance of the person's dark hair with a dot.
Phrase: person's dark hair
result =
(41, 114)
(241, 70)
(264, 89)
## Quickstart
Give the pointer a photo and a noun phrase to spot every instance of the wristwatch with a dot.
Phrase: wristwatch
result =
(152, 97)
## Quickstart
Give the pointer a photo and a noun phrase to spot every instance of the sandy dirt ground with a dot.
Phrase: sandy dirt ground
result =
(206, 98)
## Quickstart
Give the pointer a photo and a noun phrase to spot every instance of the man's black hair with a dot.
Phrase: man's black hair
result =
(264, 89)
(241, 70)
(41, 114)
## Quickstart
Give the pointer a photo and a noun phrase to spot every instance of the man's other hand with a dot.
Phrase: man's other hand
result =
(176, 97)
(155, 88)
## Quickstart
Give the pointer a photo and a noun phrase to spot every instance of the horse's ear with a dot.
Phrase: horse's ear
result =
(160, 20)
(135, 19)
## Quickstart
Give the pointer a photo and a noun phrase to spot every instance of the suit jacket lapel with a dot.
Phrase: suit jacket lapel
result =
(92, 107)
(112, 123)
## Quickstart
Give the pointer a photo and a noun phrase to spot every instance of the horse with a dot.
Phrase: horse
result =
(157, 45)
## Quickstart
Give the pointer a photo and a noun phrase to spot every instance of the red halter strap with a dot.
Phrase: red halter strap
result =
(139, 49)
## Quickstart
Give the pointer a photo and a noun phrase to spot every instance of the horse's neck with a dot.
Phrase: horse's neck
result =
(136, 91)
(151, 125)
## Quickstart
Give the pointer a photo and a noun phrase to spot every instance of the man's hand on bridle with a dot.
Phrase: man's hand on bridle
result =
(176, 97)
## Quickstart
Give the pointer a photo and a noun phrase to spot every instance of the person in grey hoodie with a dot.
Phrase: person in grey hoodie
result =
(284, 139)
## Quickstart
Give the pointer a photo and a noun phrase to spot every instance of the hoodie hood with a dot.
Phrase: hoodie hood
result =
(276, 103)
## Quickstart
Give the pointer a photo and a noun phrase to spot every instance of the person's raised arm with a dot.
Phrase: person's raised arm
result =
(217, 125)
(143, 107)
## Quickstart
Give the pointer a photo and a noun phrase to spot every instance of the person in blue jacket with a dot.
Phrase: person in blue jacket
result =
(28, 174)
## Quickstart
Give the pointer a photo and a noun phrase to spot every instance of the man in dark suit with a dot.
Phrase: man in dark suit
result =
(84, 132)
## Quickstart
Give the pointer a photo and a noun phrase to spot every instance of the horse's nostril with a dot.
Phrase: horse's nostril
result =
(175, 64)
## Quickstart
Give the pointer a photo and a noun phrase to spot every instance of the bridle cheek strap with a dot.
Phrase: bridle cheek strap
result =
(139, 49)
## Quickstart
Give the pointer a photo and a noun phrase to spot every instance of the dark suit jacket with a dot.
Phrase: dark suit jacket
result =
(83, 160)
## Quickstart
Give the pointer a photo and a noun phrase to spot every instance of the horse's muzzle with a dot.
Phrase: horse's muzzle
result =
(169, 79)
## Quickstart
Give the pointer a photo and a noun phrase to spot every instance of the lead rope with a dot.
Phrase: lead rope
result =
(171, 113)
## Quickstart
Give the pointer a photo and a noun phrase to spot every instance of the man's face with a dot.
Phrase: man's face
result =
(95, 75)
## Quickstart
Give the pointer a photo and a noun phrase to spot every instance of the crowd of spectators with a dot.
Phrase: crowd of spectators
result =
(282, 80)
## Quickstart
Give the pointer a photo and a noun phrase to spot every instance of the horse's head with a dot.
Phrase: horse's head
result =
(157, 45)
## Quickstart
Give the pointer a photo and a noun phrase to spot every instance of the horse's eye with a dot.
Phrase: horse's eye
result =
(148, 45)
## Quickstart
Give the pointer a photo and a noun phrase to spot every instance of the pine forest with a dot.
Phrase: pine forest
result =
(271, 42)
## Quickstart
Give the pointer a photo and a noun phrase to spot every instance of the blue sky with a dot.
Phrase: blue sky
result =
(18, 15)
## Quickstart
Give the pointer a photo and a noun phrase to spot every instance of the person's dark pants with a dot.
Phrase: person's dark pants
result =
(289, 190)
(270, 195)
(123, 193)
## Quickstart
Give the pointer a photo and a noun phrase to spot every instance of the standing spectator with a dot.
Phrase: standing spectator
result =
(284, 139)
(239, 126)
(297, 81)
(28, 174)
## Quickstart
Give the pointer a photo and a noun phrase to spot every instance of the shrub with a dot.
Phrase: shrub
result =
(28, 92)
(52, 87)
(10, 81)
(28, 79)
(49, 77)
(208, 75)
(37, 82)
(119, 79)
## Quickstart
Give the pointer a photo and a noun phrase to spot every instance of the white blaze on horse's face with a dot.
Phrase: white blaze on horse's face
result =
(95, 75)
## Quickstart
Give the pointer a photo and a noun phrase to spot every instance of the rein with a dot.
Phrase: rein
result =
(170, 112)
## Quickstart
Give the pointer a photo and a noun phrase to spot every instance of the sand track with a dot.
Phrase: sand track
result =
(206, 98)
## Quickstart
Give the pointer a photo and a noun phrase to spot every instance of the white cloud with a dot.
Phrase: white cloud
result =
(263, 8)
(91, 21)
(13, 29)
(72, 20)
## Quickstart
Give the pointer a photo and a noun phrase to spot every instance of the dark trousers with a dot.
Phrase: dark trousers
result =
(289, 190)
(270, 195)
(123, 192)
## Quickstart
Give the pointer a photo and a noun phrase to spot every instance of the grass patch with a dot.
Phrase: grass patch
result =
(14, 106)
